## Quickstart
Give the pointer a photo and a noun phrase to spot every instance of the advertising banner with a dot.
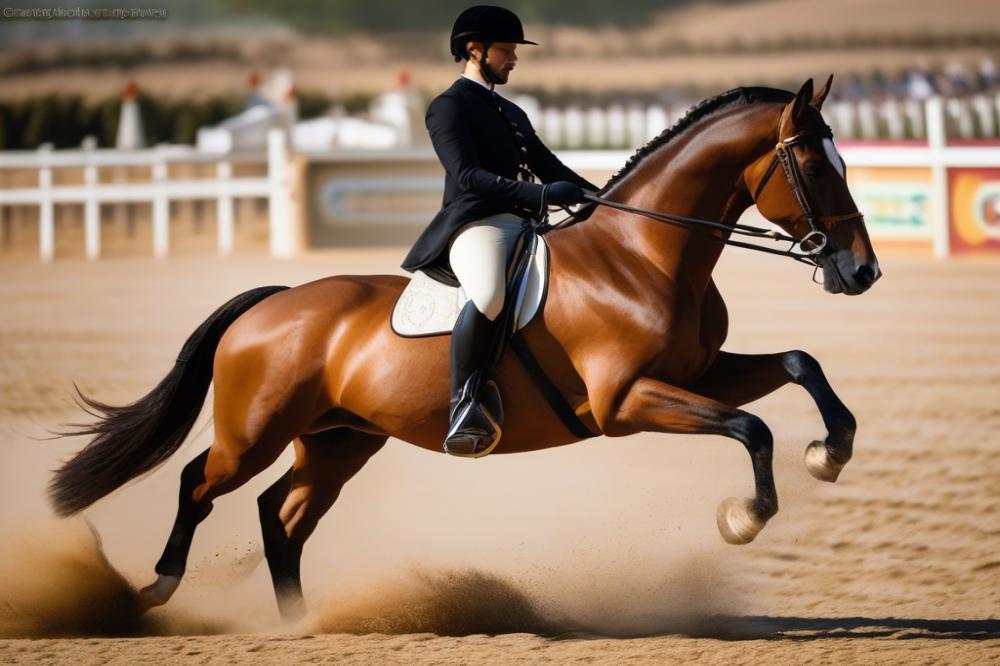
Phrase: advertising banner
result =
(895, 200)
(974, 215)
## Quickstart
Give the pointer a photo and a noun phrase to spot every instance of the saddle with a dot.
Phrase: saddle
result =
(430, 303)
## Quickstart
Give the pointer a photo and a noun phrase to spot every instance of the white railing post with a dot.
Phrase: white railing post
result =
(224, 208)
(895, 123)
(636, 120)
(573, 127)
(279, 208)
(617, 127)
(936, 143)
(656, 121)
(161, 208)
(46, 207)
(984, 113)
(867, 120)
(915, 114)
(596, 124)
(91, 214)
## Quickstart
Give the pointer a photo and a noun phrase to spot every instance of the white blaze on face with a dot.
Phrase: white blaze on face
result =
(834, 156)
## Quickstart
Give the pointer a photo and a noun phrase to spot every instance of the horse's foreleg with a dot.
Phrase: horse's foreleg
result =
(737, 379)
(652, 405)
(292, 507)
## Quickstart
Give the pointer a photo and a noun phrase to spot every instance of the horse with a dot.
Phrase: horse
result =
(631, 335)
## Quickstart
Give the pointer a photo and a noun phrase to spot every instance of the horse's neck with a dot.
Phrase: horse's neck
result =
(696, 174)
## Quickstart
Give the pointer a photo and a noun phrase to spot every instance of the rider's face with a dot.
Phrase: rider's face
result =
(500, 59)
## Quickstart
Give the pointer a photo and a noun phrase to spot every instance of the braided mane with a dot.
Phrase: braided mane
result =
(703, 109)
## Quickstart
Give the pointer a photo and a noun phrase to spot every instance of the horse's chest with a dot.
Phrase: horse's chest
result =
(694, 336)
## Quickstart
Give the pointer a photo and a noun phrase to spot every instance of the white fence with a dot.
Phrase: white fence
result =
(621, 126)
(224, 188)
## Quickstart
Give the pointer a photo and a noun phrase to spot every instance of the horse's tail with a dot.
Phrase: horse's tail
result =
(136, 438)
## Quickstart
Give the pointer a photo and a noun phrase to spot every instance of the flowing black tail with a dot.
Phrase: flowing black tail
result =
(134, 439)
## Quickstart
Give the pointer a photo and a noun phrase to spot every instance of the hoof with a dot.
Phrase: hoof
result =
(159, 592)
(820, 464)
(737, 521)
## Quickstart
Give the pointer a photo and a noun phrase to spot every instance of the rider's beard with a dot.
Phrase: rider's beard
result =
(490, 75)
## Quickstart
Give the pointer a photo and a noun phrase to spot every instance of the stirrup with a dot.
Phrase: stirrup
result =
(475, 431)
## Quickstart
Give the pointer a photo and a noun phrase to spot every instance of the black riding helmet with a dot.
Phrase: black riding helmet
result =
(488, 24)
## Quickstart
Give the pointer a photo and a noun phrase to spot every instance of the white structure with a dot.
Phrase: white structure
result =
(246, 131)
(329, 133)
(401, 109)
(395, 119)
(130, 130)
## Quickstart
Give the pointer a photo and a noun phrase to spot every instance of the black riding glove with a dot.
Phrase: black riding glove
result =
(565, 193)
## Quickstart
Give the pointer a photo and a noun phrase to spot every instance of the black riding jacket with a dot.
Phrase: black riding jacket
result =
(477, 146)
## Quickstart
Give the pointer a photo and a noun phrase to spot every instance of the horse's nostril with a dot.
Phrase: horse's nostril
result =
(864, 275)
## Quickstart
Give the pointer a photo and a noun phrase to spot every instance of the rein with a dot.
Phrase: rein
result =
(816, 238)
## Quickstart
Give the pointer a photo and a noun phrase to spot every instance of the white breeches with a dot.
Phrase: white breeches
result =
(479, 253)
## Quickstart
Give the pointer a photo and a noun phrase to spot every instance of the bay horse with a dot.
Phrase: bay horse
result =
(631, 334)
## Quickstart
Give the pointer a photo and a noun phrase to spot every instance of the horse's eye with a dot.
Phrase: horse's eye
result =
(815, 170)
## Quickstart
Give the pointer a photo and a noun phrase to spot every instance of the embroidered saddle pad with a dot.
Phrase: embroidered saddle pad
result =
(429, 307)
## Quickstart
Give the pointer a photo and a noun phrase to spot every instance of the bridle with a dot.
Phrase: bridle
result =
(783, 155)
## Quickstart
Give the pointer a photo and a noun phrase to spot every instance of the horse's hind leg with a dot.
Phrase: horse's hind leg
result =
(736, 379)
(292, 507)
(651, 405)
(220, 469)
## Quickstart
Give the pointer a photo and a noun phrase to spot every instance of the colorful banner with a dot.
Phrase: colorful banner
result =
(974, 203)
(895, 200)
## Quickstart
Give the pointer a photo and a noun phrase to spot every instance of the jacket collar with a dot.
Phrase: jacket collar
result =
(471, 84)
(478, 83)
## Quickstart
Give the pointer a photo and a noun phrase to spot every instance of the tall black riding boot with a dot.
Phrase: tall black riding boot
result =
(474, 429)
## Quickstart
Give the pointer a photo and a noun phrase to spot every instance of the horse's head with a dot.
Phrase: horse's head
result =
(801, 186)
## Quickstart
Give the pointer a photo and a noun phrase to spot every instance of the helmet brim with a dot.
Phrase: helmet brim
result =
(481, 36)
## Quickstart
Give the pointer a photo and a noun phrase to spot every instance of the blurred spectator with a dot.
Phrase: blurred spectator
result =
(989, 75)
(255, 96)
(918, 84)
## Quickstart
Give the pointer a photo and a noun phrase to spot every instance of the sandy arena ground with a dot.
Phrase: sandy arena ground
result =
(605, 551)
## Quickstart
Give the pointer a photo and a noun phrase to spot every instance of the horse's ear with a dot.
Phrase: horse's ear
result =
(820, 97)
(801, 102)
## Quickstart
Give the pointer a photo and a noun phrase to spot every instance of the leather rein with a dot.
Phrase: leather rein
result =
(783, 156)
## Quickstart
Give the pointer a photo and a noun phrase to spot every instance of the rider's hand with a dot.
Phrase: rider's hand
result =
(565, 193)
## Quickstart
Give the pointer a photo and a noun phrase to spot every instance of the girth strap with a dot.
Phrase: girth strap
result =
(555, 399)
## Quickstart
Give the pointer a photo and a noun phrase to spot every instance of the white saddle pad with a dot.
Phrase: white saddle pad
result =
(428, 307)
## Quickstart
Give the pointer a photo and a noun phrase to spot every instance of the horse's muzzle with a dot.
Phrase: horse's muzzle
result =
(842, 274)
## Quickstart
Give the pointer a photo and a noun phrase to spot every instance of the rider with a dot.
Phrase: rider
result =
(491, 157)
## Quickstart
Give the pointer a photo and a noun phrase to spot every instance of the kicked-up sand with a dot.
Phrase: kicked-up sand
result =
(604, 551)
